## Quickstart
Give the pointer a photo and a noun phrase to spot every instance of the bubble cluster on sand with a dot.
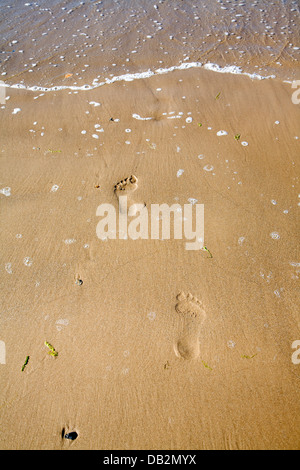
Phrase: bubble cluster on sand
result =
(6, 191)
(69, 241)
(241, 240)
(192, 200)
(61, 323)
(275, 235)
(27, 261)
(8, 268)
(151, 316)
(208, 168)
(295, 264)
(139, 118)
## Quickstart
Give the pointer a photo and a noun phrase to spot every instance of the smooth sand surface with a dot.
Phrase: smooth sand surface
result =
(158, 347)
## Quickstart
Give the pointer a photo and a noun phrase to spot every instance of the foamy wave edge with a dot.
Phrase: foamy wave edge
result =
(231, 69)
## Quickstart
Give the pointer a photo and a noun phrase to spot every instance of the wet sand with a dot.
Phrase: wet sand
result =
(158, 347)
(136, 367)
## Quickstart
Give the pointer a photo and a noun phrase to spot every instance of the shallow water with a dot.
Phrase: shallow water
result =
(73, 43)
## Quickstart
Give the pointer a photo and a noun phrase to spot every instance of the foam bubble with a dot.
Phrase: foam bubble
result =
(192, 200)
(233, 69)
(151, 316)
(27, 261)
(5, 191)
(69, 241)
(139, 118)
(241, 240)
(208, 168)
(8, 268)
(142, 75)
(63, 322)
(275, 235)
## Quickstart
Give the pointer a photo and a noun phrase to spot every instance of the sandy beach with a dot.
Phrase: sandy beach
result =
(158, 347)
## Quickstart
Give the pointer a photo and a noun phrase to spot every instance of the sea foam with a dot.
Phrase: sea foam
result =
(129, 77)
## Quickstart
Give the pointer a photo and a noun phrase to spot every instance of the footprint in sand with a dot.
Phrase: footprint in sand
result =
(193, 315)
(126, 188)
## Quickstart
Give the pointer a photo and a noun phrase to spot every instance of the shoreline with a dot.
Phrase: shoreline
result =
(228, 69)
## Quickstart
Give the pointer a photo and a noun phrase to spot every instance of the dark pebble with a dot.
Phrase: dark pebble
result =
(71, 435)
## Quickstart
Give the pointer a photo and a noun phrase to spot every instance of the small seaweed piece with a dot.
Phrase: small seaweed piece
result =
(52, 351)
(49, 346)
(206, 365)
(245, 356)
(218, 96)
(206, 249)
(237, 136)
(25, 363)
(200, 124)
